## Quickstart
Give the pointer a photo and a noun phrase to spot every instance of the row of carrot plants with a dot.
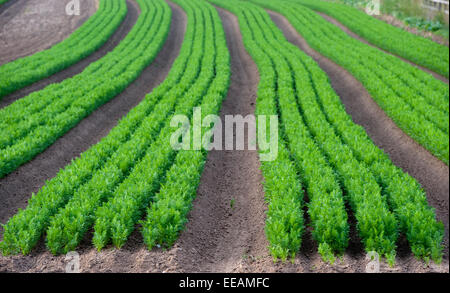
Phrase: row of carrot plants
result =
(111, 185)
(416, 101)
(31, 124)
(327, 147)
(283, 189)
(168, 212)
(80, 44)
(24, 229)
(376, 226)
(415, 48)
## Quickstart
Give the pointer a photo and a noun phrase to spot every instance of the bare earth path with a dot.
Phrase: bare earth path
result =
(16, 188)
(218, 237)
(355, 36)
(30, 26)
(111, 43)
(432, 173)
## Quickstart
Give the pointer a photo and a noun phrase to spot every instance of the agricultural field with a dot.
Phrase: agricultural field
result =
(233, 136)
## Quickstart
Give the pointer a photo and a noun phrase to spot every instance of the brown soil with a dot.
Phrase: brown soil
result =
(217, 238)
(399, 23)
(113, 41)
(355, 36)
(16, 188)
(30, 26)
(404, 152)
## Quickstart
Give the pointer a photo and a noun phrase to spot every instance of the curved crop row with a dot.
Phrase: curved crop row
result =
(415, 48)
(326, 207)
(30, 125)
(406, 198)
(284, 225)
(117, 219)
(416, 101)
(24, 229)
(116, 179)
(81, 43)
(314, 119)
(167, 214)
(376, 225)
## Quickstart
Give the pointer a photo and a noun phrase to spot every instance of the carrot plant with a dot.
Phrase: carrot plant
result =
(315, 122)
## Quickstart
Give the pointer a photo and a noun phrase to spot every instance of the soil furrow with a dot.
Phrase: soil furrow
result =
(355, 36)
(16, 188)
(121, 32)
(219, 234)
(404, 152)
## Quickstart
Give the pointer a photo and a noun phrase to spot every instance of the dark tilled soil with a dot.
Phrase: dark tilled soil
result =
(30, 26)
(355, 36)
(17, 187)
(405, 153)
(113, 41)
(217, 238)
